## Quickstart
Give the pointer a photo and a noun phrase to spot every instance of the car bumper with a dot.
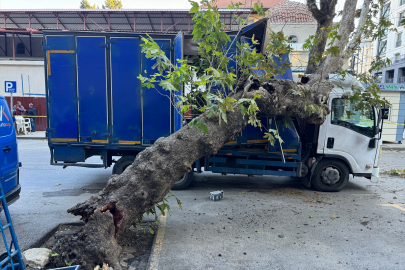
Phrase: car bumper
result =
(13, 195)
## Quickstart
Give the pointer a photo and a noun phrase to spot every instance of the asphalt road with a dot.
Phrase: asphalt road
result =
(48, 191)
(262, 222)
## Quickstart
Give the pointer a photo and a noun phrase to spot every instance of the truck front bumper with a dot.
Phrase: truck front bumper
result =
(375, 176)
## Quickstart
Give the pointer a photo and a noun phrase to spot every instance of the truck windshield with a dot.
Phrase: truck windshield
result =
(344, 115)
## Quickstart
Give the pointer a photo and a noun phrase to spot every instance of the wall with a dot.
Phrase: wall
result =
(298, 56)
(393, 126)
(30, 79)
(392, 49)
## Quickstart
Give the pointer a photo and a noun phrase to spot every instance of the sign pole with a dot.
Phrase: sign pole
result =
(11, 99)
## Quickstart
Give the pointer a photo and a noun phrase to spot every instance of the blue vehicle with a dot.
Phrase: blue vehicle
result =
(9, 164)
(96, 106)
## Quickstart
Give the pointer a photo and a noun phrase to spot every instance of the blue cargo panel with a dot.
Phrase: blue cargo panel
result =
(125, 91)
(92, 89)
(156, 104)
(253, 135)
(178, 55)
(288, 134)
(61, 72)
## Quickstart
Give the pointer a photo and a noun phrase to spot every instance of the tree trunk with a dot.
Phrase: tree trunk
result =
(333, 63)
(143, 184)
(324, 16)
(356, 39)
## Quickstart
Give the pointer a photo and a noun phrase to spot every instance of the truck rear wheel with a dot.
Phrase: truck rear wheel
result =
(330, 175)
(122, 164)
(184, 181)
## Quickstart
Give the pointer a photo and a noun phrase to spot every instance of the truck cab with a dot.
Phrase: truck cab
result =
(321, 156)
(9, 164)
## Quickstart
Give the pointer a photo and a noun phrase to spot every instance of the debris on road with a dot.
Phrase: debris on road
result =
(37, 257)
(217, 195)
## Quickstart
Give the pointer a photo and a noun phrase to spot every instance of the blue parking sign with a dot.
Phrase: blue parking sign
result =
(10, 87)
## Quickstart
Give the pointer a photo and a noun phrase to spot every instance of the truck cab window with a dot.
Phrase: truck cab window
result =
(344, 115)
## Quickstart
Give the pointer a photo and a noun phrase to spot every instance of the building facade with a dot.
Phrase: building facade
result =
(297, 23)
(391, 79)
(360, 62)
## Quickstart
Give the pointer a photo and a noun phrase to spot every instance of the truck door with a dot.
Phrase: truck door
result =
(178, 55)
(125, 91)
(61, 87)
(8, 149)
(347, 136)
(156, 105)
(92, 89)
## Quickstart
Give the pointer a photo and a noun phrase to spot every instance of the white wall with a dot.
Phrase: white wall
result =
(31, 72)
(298, 57)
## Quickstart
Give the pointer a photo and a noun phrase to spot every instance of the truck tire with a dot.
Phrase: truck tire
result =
(184, 181)
(122, 164)
(330, 175)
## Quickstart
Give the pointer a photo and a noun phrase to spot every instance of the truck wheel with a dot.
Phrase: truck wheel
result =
(330, 175)
(184, 181)
(122, 164)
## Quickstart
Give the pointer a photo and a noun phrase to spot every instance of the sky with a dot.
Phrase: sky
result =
(129, 4)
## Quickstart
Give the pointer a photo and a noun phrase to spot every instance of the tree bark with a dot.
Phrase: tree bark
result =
(333, 63)
(356, 39)
(324, 16)
(143, 184)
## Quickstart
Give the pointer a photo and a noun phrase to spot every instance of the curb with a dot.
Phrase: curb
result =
(31, 138)
(396, 148)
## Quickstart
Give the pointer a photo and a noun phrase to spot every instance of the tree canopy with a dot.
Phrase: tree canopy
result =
(84, 4)
(112, 4)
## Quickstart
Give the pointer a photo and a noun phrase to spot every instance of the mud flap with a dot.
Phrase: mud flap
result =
(306, 181)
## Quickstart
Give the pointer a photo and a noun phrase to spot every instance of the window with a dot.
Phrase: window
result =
(389, 76)
(398, 43)
(401, 75)
(378, 77)
(386, 10)
(401, 17)
(402, 2)
(397, 58)
(20, 48)
(292, 39)
(343, 114)
(382, 47)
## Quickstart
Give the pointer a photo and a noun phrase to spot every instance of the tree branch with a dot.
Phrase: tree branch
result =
(334, 63)
(355, 41)
(316, 13)
(323, 28)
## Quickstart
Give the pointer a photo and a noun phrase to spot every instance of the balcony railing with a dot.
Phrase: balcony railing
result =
(390, 80)
(401, 79)
(398, 43)
(398, 59)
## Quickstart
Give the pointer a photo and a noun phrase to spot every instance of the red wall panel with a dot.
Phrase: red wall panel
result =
(39, 104)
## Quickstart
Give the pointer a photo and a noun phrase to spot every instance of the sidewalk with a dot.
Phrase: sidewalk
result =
(388, 146)
(38, 135)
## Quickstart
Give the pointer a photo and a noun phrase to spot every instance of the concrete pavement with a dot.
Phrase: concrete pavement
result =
(276, 223)
(48, 191)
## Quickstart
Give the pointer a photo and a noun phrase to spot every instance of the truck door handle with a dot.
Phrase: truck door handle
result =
(6, 149)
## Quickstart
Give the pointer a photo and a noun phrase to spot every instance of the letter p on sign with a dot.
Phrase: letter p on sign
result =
(10, 87)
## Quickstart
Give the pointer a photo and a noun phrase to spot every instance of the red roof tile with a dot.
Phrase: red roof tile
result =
(291, 12)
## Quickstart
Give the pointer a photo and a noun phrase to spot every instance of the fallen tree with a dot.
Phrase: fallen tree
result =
(147, 181)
